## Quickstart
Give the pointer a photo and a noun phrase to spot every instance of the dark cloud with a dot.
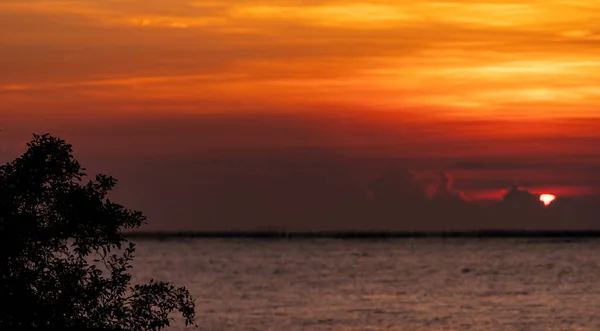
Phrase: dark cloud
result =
(443, 189)
(319, 190)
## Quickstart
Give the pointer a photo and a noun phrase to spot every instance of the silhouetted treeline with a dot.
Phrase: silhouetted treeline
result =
(364, 235)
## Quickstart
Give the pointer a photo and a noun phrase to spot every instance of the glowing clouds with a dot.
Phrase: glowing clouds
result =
(496, 58)
(347, 15)
(547, 199)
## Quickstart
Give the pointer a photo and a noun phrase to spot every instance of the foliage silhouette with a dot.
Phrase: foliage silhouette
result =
(64, 262)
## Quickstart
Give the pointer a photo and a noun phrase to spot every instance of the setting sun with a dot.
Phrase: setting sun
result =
(547, 199)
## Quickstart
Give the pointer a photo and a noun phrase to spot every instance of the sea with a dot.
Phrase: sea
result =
(381, 284)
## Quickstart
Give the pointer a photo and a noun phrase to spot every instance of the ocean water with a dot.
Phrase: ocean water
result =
(404, 284)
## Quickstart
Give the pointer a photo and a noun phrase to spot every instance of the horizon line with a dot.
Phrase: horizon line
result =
(474, 234)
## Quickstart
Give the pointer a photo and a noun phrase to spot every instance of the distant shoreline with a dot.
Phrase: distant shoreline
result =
(364, 235)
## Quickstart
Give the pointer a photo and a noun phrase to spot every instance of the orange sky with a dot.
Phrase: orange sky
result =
(478, 59)
(420, 78)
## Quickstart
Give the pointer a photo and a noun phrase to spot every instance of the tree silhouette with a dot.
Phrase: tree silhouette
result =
(64, 262)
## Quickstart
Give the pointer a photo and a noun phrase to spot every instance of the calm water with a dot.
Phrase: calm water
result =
(419, 284)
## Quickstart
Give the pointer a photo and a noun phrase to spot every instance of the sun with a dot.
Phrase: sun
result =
(547, 199)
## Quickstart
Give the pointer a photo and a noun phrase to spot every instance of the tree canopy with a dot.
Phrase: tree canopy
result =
(65, 260)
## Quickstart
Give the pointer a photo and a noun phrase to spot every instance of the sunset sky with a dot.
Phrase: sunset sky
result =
(489, 91)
